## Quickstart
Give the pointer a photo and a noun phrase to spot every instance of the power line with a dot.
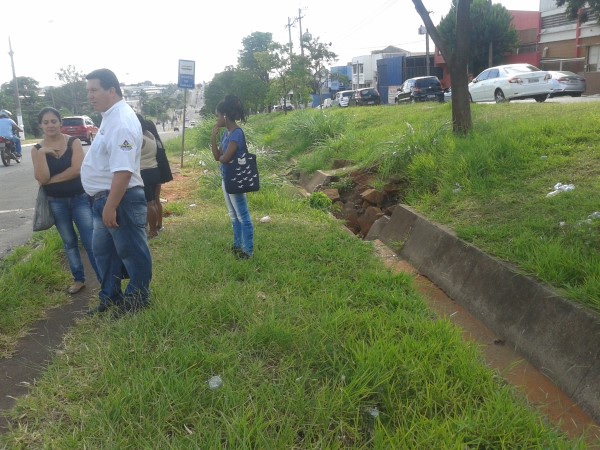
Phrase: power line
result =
(377, 13)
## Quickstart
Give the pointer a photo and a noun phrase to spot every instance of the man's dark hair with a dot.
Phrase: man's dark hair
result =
(107, 79)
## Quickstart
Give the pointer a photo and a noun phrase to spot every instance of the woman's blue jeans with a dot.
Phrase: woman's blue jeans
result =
(123, 251)
(77, 210)
(243, 230)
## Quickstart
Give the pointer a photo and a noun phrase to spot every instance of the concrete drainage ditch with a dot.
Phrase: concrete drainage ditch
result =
(559, 338)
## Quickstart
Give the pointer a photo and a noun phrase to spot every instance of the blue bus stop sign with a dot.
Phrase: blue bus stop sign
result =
(187, 72)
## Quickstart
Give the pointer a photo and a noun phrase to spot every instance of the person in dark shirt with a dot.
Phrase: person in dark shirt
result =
(56, 164)
(165, 171)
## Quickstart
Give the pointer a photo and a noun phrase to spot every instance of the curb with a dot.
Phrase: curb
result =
(559, 338)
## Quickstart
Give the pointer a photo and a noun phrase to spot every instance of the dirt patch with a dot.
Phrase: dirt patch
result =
(179, 188)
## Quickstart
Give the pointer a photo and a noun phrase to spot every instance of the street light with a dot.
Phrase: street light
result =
(423, 30)
(306, 37)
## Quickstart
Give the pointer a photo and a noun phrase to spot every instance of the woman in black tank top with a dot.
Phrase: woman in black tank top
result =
(56, 164)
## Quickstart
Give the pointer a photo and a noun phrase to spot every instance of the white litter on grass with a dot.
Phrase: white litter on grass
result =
(215, 383)
(193, 205)
(559, 187)
(265, 219)
(373, 411)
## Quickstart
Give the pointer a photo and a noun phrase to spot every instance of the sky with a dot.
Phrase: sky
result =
(144, 41)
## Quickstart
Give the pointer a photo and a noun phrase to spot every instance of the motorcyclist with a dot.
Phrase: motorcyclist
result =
(8, 128)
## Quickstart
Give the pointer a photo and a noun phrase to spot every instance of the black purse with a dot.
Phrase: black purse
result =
(241, 174)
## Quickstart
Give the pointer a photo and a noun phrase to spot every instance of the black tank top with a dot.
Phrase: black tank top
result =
(67, 188)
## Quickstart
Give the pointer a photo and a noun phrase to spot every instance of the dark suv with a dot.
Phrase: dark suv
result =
(82, 127)
(367, 96)
(420, 89)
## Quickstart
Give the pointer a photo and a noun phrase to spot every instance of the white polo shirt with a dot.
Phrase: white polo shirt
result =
(116, 147)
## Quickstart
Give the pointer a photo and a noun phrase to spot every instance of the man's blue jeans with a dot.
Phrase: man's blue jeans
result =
(78, 210)
(243, 230)
(123, 249)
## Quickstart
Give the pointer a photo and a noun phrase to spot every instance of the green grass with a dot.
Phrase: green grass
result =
(318, 346)
(490, 187)
(33, 278)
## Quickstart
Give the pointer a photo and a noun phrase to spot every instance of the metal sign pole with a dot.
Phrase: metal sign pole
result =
(183, 132)
(187, 72)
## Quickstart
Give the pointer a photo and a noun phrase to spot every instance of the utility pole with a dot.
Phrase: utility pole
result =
(300, 26)
(289, 27)
(17, 99)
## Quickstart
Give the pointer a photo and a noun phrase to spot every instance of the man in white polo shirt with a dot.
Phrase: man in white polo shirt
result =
(110, 175)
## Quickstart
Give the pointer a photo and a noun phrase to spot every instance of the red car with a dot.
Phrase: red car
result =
(82, 127)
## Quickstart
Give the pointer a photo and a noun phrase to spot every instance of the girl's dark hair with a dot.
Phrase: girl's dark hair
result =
(231, 106)
(48, 109)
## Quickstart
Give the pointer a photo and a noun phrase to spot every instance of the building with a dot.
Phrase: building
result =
(364, 68)
(550, 40)
(570, 44)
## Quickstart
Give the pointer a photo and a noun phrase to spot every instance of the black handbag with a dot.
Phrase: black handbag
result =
(241, 174)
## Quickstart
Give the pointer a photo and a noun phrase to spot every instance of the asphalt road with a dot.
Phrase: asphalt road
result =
(17, 199)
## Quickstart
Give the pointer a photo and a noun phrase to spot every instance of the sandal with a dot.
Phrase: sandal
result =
(76, 287)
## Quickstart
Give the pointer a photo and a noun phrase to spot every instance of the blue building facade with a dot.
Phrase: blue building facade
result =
(393, 71)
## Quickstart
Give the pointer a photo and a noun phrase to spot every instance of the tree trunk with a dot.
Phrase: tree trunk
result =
(461, 107)
(457, 62)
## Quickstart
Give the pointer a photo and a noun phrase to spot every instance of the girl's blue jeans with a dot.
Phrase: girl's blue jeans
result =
(243, 230)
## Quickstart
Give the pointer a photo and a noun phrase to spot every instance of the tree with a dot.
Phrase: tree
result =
(319, 58)
(457, 59)
(257, 42)
(242, 83)
(492, 33)
(575, 6)
(73, 90)
(277, 60)
(30, 99)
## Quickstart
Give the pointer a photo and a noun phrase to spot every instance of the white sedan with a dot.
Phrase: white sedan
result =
(510, 82)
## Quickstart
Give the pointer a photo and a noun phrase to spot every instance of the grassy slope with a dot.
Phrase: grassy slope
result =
(503, 170)
(317, 343)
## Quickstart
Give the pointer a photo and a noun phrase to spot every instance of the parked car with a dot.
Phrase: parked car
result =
(367, 96)
(420, 89)
(82, 127)
(343, 98)
(510, 82)
(288, 107)
(448, 95)
(566, 83)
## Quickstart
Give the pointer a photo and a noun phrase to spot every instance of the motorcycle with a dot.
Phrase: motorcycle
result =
(7, 151)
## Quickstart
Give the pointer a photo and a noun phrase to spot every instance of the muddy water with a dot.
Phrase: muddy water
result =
(538, 389)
